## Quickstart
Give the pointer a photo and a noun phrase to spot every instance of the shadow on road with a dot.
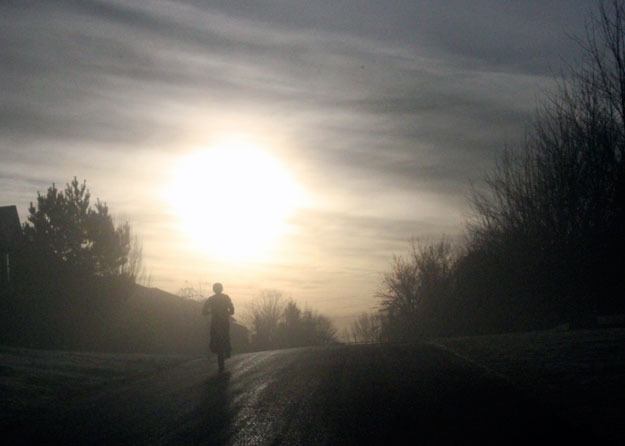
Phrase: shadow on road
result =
(342, 395)
(211, 420)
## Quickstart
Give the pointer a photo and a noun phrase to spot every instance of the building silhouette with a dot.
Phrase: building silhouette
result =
(10, 233)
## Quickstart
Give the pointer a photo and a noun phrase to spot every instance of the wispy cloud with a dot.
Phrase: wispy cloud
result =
(389, 108)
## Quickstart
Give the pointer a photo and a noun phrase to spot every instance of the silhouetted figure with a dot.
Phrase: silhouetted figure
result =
(220, 308)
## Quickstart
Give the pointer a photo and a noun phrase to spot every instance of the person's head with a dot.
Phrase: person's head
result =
(218, 288)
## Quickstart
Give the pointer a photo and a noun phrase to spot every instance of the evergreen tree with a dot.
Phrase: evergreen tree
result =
(66, 230)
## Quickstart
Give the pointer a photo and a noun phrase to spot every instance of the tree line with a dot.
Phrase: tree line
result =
(276, 322)
(545, 242)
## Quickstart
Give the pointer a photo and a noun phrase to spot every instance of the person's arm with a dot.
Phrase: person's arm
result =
(230, 306)
(206, 308)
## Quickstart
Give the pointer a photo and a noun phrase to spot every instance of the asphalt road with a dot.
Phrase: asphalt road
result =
(338, 395)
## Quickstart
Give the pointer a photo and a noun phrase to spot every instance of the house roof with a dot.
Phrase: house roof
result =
(10, 229)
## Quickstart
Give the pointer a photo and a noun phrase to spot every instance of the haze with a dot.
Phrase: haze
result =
(379, 113)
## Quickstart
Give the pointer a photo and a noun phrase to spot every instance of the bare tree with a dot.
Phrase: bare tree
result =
(279, 323)
(367, 328)
(412, 293)
(197, 292)
(316, 329)
(265, 315)
(553, 209)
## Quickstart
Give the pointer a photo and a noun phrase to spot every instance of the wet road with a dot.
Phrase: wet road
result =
(339, 395)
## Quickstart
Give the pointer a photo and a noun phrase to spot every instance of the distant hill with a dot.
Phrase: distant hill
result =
(165, 323)
(149, 320)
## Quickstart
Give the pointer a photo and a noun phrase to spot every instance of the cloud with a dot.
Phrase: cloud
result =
(388, 109)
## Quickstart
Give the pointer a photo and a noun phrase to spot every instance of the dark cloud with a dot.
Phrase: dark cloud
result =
(394, 79)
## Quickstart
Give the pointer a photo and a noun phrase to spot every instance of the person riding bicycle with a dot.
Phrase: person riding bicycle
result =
(220, 307)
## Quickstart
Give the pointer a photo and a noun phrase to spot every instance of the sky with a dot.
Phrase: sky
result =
(380, 115)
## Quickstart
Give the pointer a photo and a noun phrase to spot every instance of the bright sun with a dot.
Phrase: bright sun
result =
(233, 199)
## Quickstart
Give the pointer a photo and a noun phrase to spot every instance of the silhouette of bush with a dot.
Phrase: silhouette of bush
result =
(547, 234)
(276, 323)
(415, 295)
(366, 329)
(549, 227)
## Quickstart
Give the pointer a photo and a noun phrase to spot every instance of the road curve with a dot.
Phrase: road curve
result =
(365, 394)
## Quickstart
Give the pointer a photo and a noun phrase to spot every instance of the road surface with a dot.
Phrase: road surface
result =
(363, 394)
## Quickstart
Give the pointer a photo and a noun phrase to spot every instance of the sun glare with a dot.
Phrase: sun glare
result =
(233, 199)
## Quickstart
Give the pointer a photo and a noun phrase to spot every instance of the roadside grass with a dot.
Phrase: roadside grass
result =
(31, 380)
(581, 372)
